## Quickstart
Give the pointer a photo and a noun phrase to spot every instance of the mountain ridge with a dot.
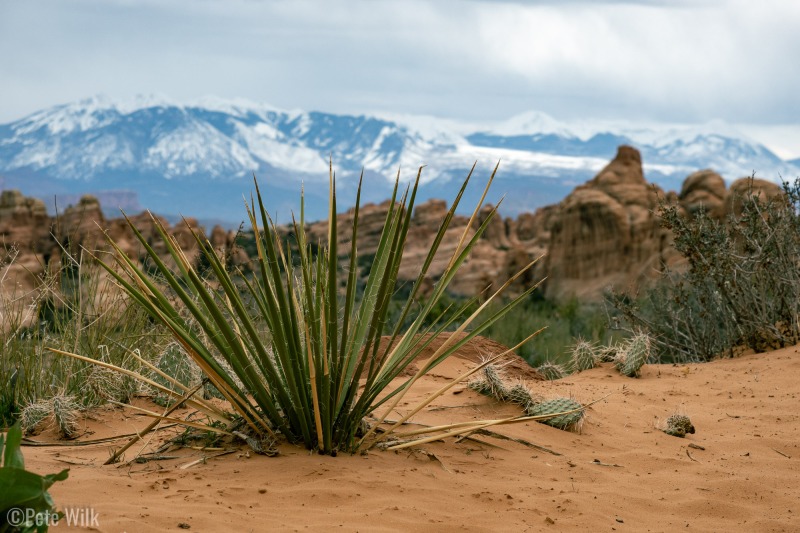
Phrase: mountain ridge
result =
(178, 156)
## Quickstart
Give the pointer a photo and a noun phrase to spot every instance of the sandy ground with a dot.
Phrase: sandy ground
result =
(619, 474)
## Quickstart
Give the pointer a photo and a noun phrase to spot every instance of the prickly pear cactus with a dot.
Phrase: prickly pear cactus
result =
(570, 422)
(551, 371)
(635, 354)
(521, 395)
(583, 356)
(678, 426)
(608, 354)
(490, 383)
(481, 386)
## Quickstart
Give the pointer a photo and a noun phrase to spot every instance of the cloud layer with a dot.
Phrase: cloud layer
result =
(467, 59)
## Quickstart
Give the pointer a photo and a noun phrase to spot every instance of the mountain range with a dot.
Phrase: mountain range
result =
(199, 158)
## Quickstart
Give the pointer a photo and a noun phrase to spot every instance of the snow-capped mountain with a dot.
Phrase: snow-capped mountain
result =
(199, 158)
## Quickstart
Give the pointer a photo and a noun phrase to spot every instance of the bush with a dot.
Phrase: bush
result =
(68, 316)
(742, 286)
(566, 322)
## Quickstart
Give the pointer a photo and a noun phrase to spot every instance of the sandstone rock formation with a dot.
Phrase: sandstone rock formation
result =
(23, 222)
(704, 189)
(24, 240)
(762, 189)
(34, 248)
(606, 232)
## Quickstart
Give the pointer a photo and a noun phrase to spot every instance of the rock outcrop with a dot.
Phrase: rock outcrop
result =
(24, 223)
(606, 233)
(25, 242)
(762, 189)
(704, 189)
(35, 247)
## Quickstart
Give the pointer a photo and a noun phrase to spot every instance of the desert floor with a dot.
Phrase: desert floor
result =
(739, 472)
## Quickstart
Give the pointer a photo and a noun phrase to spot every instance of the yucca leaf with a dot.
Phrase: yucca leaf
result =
(255, 351)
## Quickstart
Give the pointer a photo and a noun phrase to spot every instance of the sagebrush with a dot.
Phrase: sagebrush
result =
(741, 286)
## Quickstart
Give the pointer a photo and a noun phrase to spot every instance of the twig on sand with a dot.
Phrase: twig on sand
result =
(81, 463)
(443, 407)
(690, 456)
(204, 459)
(409, 423)
(430, 456)
(147, 457)
(780, 452)
(116, 455)
(600, 463)
(486, 432)
(30, 442)
(404, 423)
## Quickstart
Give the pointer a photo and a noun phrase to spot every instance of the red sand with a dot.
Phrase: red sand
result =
(745, 478)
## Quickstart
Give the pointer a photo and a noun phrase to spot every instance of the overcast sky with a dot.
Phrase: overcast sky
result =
(688, 61)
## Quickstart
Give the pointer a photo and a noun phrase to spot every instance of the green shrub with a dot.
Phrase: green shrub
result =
(66, 318)
(565, 322)
(22, 491)
(742, 286)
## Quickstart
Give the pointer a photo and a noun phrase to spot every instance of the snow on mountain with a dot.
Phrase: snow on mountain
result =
(185, 156)
(666, 148)
(539, 123)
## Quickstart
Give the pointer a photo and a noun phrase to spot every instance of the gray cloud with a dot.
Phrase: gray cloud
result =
(477, 60)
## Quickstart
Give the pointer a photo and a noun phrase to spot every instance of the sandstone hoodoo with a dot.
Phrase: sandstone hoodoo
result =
(606, 232)
(766, 190)
(705, 189)
(24, 239)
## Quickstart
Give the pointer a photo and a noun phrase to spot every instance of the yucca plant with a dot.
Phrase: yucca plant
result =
(319, 368)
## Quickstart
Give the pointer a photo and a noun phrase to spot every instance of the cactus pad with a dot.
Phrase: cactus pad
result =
(583, 356)
(490, 383)
(521, 395)
(570, 422)
(608, 354)
(678, 426)
(634, 355)
(551, 371)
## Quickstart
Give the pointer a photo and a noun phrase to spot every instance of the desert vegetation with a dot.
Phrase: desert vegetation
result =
(290, 334)
(77, 308)
(295, 348)
(22, 493)
(60, 313)
(125, 336)
(740, 285)
(742, 267)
